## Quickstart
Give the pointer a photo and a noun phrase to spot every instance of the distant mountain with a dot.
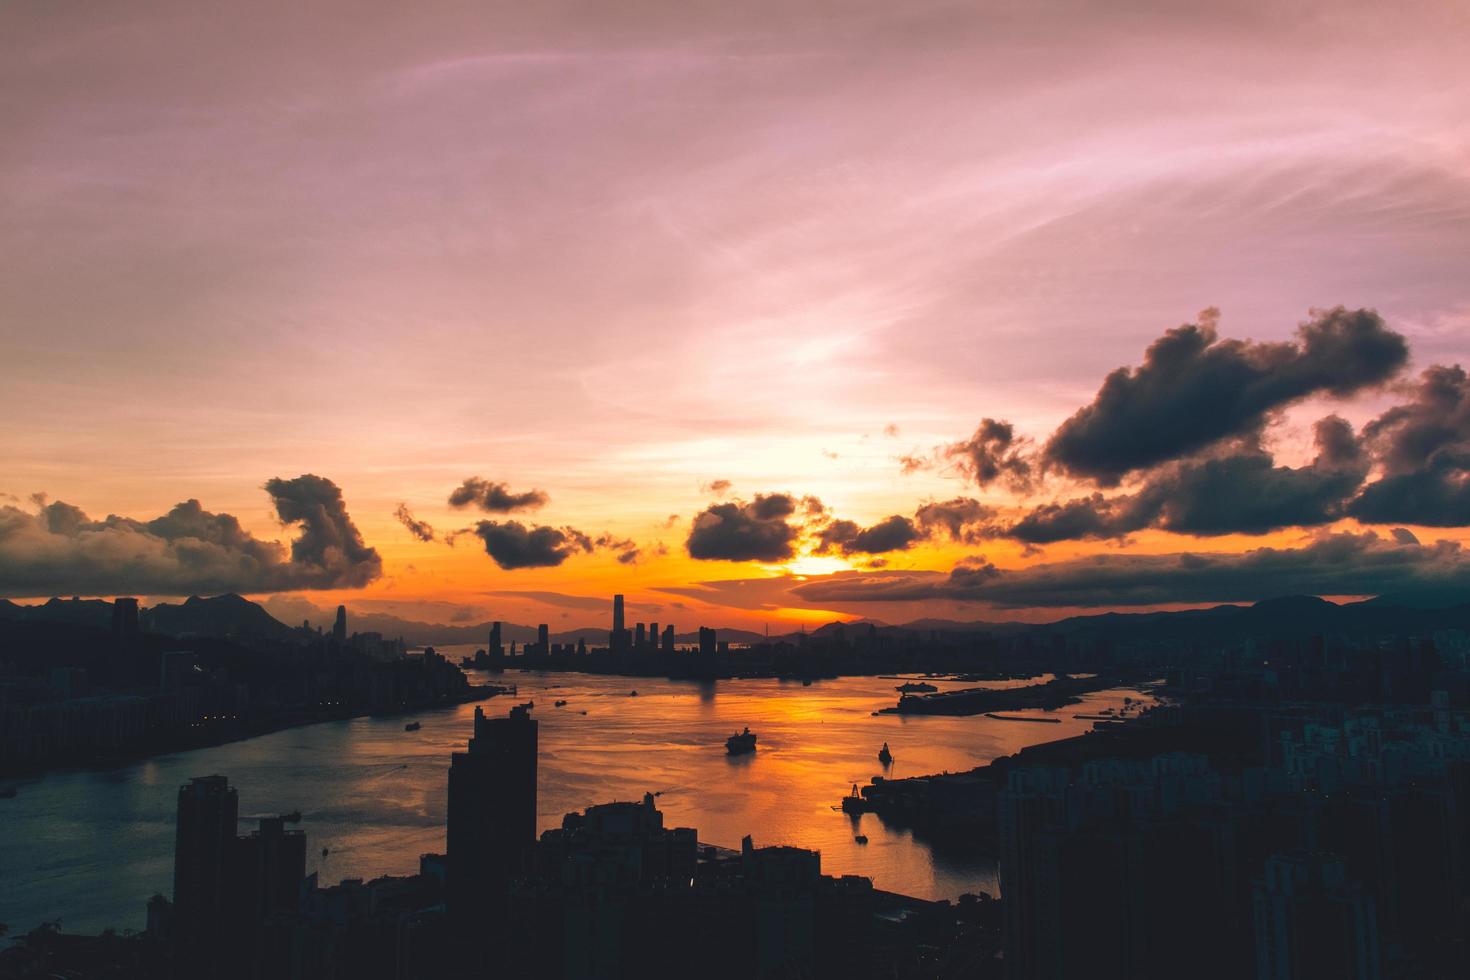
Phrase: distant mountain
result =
(1438, 598)
(228, 615)
(71, 612)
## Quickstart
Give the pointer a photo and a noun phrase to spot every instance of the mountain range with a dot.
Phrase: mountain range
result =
(234, 616)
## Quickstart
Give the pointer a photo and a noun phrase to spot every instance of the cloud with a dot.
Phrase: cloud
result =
(1195, 390)
(963, 519)
(1424, 448)
(891, 430)
(760, 530)
(419, 529)
(717, 487)
(189, 550)
(909, 463)
(495, 497)
(1332, 564)
(894, 533)
(992, 454)
(512, 545)
(1242, 492)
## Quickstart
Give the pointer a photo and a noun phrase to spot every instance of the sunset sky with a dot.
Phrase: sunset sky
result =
(694, 267)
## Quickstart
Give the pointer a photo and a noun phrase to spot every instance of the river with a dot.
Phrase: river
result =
(89, 846)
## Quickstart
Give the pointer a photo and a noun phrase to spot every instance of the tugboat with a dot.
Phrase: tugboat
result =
(560, 704)
(632, 694)
(884, 756)
(740, 743)
(861, 839)
(412, 726)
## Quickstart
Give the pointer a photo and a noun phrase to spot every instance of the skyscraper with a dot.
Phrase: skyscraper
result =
(615, 638)
(124, 618)
(339, 628)
(495, 647)
(208, 812)
(543, 639)
(640, 636)
(492, 809)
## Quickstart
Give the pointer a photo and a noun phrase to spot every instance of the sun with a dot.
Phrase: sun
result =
(813, 565)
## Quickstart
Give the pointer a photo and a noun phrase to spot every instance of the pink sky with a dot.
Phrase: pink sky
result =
(619, 251)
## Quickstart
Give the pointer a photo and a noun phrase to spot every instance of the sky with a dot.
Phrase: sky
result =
(715, 279)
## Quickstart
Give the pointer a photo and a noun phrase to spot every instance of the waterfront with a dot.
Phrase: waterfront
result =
(89, 847)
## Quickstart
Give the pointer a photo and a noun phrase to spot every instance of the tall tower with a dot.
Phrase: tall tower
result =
(339, 628)
(124, 618)
(492, 809)
(616, 639)
(208, 812)
(543, 639)
(495, 647)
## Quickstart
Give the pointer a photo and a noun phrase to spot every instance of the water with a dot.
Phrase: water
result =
(89, 847)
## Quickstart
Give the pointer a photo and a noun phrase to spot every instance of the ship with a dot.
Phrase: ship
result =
(861, 839)
(885, 756)
(559, 704)
(740, 743)
(915, 687)
(855, 802)
(412, 726)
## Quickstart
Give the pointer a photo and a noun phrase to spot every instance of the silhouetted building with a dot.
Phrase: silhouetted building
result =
(125, 619)
(668, 644)
(495, 648)
(1312, 922)
(640, 636)
(339, 628)
(707, 642)
(205, 836)
(492, 809)
(543, 639)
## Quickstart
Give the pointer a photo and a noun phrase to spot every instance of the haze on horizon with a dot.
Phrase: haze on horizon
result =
(754, 314)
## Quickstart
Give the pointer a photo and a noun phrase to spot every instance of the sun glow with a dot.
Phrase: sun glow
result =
(813, 565)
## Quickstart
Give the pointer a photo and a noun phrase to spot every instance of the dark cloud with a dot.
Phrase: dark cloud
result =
(760, 530)
(512, 545)
(963, 519)
(992, 454)
(186, 551)
(894, 533)
(495, 497)
(1243, 492)
(1195, 390)
(1424, 448)
(717, 487)
(1333, 564)
(419, 529)
(569, 601)
(628, 551)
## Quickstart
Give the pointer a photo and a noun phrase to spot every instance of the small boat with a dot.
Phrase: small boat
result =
(740, 743)
(885, 756)
(806, 682)
(293, 817)
(581, 712)
(527, 705)
(412, 726)
(561, 704)
(632, 694)
(860, 839)
(326, 851)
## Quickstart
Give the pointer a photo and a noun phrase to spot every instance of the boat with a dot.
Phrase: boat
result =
(632, 694)
(1044, 721)
(916, 687)
(740, 743)
(854, 802)
(885, 756)
(560, 704)
(527, 705)
(860, 839)
(806, 682)
(293, 817)
(412, 726)
(326, 851)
